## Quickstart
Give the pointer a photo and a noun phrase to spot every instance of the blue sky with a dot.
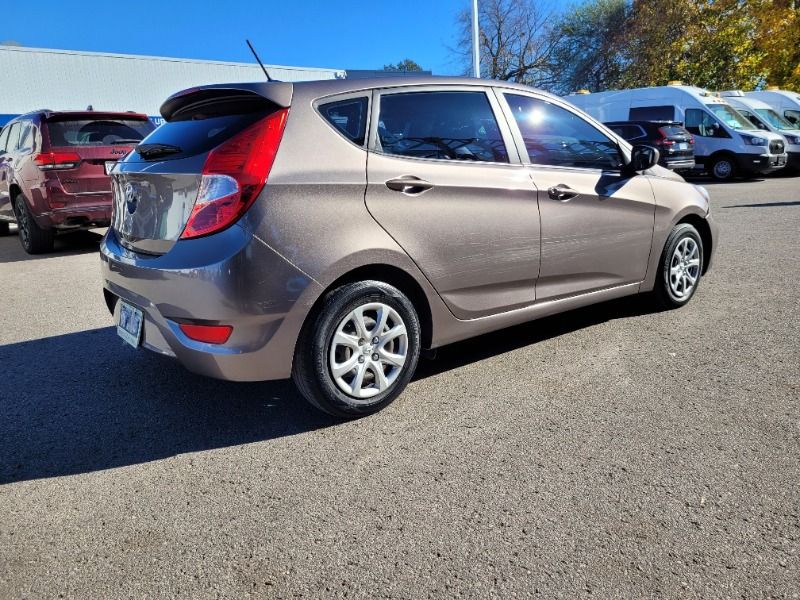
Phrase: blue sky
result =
(318, 33)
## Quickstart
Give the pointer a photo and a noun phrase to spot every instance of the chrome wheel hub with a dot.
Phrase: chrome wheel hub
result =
(368, 350)
(684, 268)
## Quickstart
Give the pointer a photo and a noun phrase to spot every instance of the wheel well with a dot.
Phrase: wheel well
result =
(393, 276)
(13, 190)
(719, 154)
(704, 230)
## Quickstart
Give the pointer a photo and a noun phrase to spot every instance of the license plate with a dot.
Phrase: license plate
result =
(683, 146)
(129, 326)
(110, 164)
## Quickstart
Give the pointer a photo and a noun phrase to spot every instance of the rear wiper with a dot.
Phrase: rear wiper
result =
(126, 141)
(154, 150)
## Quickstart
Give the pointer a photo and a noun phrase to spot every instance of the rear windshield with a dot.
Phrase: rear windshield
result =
(97, 132)
(671, 130)
(198, 134)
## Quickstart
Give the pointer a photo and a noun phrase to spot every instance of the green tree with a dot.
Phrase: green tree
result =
(406, 65)
(589, 49)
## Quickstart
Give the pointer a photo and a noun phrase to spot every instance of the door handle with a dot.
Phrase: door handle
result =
(561, 192)
(408, 184)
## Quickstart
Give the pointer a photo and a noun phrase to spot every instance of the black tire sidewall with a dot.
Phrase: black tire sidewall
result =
(311, 359)
(732, 171)
(663, 289)
(34, 240)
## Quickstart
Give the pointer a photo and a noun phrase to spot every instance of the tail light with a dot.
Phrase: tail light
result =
(47, 161)
(664, 141)
(234, 174)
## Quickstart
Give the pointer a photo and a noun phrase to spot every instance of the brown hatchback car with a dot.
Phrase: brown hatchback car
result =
(331, 231)
(53, 171)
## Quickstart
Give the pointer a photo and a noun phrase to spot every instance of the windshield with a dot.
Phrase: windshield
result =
(774, 119)
(730, 117)
(97, 132)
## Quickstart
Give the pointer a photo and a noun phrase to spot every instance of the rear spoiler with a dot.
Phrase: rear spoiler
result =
(279, 93)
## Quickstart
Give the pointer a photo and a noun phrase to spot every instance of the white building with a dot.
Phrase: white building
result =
(36, 78)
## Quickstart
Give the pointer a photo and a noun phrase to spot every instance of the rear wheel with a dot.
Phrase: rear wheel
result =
(680, 268)
(33, 238)
(360, 351)
(723, 168)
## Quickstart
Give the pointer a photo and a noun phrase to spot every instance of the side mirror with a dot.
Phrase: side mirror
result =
(642, 158)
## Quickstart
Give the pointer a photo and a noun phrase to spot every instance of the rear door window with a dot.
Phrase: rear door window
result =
(13, 137)
(27, 138)
(440, 125)
(97, 132)
(558, 137)
(348, 117)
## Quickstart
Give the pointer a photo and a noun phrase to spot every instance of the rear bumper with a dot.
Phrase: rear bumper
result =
(761, 164)
(679, 164)
(228, 278)
(73, 211)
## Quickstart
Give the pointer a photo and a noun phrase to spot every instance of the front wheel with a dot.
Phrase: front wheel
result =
(358, 353)
(681, 267)
(723, 168)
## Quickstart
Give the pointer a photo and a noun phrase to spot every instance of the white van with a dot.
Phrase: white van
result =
(785, 103)
(763, 116)
(726, 143)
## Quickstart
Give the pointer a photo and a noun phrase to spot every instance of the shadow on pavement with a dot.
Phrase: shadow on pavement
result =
(68, 244)
(85, 401)
(763, 205)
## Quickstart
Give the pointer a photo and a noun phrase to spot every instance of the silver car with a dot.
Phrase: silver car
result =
(331, 231)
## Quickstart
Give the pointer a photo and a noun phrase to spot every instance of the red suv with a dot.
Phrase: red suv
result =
(53, 171)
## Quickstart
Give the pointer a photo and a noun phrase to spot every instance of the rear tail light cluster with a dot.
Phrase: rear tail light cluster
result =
(664, 141)
(234, 174)
(47, 161)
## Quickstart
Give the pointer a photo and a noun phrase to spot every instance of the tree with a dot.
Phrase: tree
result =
(778, 32)
(514, 41)
(589, 50)
(406, 66)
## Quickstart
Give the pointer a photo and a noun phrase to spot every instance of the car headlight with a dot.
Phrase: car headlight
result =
(794, 140)
(754, 140)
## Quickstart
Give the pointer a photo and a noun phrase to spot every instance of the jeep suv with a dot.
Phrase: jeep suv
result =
(53, 171)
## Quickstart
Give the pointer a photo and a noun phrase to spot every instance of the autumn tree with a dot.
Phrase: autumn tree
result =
(406, 66)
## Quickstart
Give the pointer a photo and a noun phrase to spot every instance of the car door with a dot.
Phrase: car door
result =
(445, 181)
(596, 222)
(7, 148)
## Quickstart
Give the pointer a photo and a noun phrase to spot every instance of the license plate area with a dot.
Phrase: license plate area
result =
(129, 323)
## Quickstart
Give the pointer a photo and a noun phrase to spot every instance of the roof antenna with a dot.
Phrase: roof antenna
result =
(263, 68)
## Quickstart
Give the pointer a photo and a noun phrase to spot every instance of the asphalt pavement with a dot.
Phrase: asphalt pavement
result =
(609, 452)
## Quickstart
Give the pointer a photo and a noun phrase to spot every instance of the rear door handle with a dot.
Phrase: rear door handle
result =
(561, 192)
(408, 184)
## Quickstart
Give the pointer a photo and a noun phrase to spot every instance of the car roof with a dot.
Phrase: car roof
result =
(88, 114)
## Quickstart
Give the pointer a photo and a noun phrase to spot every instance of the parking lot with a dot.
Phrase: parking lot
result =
(611, 451)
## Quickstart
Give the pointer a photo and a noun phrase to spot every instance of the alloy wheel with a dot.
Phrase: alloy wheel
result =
(368, 350)
(684, 268)
(22, 222)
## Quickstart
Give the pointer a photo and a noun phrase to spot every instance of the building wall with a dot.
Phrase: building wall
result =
(35, 78)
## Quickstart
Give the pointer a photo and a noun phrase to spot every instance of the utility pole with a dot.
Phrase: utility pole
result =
(476, 51)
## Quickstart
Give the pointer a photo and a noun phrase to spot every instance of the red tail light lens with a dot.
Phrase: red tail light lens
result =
(57, 160)
(208, 334)
(664, 141)
(234, 174)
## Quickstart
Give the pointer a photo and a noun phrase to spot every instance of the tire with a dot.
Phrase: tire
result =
(680, 268)
(3, 228)
(33, 238)
(332, 338)
(723, 168)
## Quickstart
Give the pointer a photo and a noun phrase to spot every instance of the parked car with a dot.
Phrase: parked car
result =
(331, 231)
(785, 102)
(726, 144)
(52, 171)
(675, 144)
(764, 117)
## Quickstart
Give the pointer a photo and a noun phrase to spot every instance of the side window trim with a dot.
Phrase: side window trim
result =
(373, 141)
(520, 142)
